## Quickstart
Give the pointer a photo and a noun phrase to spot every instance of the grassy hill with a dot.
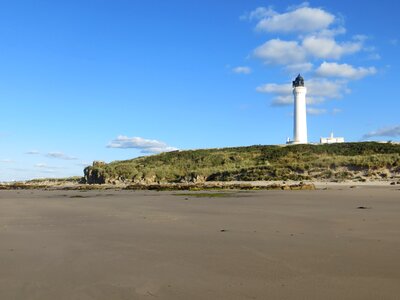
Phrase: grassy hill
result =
(335, 162)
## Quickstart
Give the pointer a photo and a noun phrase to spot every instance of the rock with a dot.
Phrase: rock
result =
(94, 175)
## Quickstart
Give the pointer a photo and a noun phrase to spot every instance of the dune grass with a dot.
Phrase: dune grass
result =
(295, 162)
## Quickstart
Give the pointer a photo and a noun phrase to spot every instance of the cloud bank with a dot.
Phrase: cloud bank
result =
(57, 155)
(242, 70)
(60, 155)
(311, 40)
(318, 90)
(302, 19)
(7, 161)
(144, 145)
(343, 70)
(32, 152)
(393, 131)
(316, 111)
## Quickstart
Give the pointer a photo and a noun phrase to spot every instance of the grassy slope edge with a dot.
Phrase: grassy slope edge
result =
(334, 162)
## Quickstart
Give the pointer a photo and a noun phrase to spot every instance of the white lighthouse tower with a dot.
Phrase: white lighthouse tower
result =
(300, 114)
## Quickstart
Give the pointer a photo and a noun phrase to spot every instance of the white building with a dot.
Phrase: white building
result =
(331, 139)
(300, 112)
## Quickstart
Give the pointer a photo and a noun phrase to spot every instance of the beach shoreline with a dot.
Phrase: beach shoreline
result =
(335, 243)
(239, 185)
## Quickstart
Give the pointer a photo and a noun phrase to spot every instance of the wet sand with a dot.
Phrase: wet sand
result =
(157, 245)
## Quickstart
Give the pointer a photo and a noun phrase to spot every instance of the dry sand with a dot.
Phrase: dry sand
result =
(156, 245)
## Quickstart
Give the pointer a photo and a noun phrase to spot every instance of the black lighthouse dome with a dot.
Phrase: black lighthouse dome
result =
(299, 81)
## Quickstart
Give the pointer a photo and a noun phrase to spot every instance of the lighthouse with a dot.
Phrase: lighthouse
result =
(300, 114)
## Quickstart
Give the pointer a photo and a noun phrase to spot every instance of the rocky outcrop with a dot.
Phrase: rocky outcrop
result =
(95, 174)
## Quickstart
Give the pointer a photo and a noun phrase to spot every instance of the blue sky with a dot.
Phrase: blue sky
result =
(110, 80)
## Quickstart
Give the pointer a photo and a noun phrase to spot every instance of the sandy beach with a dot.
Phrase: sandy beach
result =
(339, 242)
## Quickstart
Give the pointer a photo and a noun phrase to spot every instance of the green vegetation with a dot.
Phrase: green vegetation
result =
(73, 179)
(295, 162)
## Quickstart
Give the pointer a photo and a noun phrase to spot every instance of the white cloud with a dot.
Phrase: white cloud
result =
(32, 152)
(296, 6)
(328, 48)
(343, 70)
(326, 88)
(144, 145)
(285, 100)
(393, 131)
(316, 111)
(282, 100)
(336, 111)
(242, 70)
(360, 37)
(41, 165)
(315, 88)
(274, 88)
(312, 40)
(303, 19)
(292, 53)
(372, 53)
(7, 161)
(44, 168)
(317, 31)
(258, 13)
(60, 155)
(318, 91)
(276, 51)
(331, 32)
